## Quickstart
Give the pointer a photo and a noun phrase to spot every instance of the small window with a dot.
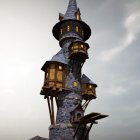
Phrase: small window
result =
(75, 84)
(90, 86)
(68, 28)
(77, 29)
(60, 67)
(82, 46)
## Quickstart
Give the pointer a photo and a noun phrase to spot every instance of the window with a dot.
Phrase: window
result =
(75, 84)
(60, 67)
(68, 28)
(77, 29)
(90, 86)
(82, 46)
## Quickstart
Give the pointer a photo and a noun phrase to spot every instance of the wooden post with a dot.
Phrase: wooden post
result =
(52, 106)
(82, 136)
(76, 130)
(88, 130)
(50, 112)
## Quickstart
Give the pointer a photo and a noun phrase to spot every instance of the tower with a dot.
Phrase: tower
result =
(64, 82)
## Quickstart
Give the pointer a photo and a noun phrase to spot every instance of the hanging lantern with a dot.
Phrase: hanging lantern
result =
(78, 50)
(88, 88)
(55, 77)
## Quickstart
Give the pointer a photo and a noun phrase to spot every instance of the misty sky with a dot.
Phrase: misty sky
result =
(26, 42)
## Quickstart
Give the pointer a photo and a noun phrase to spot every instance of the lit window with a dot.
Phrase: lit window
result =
(82, 46)
(68, 28)
(75, 84)
(47, 75)
(77, 29)
(60, 67)
(90, 86)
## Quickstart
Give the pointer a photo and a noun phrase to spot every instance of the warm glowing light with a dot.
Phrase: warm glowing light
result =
(90, 86)
(77, 29)
(75, 84)
(60, 67)
(68, 28)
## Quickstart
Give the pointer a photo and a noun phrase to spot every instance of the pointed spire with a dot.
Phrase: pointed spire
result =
(71, 10)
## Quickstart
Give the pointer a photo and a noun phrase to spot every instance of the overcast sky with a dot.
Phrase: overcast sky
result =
(26, 42)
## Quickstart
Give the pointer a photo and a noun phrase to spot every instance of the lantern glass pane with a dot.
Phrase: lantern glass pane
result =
(59, 76)
(52, 74)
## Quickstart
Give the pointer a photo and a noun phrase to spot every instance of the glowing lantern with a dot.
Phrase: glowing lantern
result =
(88, 88)
(78, 50)
(55, 77)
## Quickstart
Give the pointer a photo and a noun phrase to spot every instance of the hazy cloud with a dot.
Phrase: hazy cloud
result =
(132, 27)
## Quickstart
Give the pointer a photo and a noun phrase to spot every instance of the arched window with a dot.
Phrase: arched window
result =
(79, 116)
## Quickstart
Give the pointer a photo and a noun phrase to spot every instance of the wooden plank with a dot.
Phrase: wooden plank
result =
(88, 116)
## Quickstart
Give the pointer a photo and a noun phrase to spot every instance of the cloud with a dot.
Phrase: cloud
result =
(132, 27)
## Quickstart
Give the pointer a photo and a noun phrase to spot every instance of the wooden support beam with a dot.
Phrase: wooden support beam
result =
(85, 106)
(88, 130)
(52, 106)
(82, 136)
(49, 106)
(77, 130)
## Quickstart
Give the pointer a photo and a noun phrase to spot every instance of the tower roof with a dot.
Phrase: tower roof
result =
(59, 57)
(86, 80)
(71, 10)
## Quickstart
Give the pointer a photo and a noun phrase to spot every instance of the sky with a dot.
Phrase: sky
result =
(26, 42)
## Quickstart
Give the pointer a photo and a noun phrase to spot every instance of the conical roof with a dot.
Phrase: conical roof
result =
(59, 57)
(86, 80)
(71, 10)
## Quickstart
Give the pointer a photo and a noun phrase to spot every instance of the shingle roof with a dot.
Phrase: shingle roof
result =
(86, 80)
(71, 10)
(60, 57)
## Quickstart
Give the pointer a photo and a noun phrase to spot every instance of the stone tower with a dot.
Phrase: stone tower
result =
(64, 81)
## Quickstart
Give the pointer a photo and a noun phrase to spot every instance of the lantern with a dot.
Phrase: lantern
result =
(78, 50)
(55, 77)
(88, 88)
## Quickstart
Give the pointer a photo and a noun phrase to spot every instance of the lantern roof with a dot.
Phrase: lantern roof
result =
(86, 80)
(59, 58)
